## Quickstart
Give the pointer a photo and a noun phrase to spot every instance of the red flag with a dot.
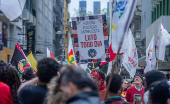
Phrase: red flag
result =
(112, 55)
(49, 54)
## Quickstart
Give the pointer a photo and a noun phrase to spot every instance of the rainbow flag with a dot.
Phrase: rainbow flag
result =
(71, 56)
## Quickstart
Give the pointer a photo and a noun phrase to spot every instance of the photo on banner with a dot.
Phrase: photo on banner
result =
(91, 39)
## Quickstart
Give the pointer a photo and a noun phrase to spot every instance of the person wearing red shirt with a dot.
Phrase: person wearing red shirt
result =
(136, 89)
(5, 94)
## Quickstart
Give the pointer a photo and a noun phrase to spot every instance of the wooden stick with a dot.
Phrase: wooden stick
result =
(111, 75)
(120, 68)
(93, 65)
(116, 68)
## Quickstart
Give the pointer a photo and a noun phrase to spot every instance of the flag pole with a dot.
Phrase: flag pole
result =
(112, 72)
(120, 68)
(110, 14)
(157, 64)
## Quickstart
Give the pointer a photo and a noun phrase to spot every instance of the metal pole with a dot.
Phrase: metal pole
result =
(157, 64)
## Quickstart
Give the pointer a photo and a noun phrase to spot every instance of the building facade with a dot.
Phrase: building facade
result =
(67, 27)
(45, 18)
(58, 29)
(155, 12)
(10, 37)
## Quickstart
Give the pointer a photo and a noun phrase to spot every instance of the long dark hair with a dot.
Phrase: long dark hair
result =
(10, 76)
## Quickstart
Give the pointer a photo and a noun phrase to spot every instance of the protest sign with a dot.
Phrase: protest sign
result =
(91, 39)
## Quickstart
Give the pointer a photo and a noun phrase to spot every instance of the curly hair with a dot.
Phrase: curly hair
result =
(10, 76)
(54, 94)
(28, 73)
(115, 84)
(101, 73)
(47, 69)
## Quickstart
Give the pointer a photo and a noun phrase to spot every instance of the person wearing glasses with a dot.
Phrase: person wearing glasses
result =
(136, 91)
(125, 87)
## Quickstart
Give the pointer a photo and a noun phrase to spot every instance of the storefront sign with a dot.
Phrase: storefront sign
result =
(164, 65)
(30, 40)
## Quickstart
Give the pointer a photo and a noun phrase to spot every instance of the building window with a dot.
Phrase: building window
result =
(96, 7)
(4, 34)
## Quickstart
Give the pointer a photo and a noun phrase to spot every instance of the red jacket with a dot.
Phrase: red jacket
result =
(5, 94)
(131, 92)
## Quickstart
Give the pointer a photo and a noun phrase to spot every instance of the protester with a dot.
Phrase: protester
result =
(31, 94)
(5, 94)
(131, 83)
(54, 95)
(77, 87)
(99, 77)
(124, 86)
(9, 76)
(160, 92)
(136, 89)
(114, 88)
(152, 76)
(28, 74)
(120, 92)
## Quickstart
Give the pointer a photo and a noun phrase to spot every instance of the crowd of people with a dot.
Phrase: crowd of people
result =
(56, 84)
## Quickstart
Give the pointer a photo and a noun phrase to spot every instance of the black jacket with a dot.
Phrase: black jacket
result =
(85, 98)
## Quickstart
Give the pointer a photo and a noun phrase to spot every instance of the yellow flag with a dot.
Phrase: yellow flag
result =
(32, 61)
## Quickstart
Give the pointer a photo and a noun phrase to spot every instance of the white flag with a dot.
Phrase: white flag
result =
(150, 56)
(130, 56)
(121, 20)
(163, 39)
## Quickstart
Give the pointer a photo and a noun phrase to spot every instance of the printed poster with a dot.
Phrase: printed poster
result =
(90, 36)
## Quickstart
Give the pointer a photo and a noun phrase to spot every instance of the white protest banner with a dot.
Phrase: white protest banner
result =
(130, 56)
(91, 39)
(150, 56)
(121, 20)
(163, 39)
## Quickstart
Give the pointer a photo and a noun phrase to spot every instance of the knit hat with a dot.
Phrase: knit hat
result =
(138, 74)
